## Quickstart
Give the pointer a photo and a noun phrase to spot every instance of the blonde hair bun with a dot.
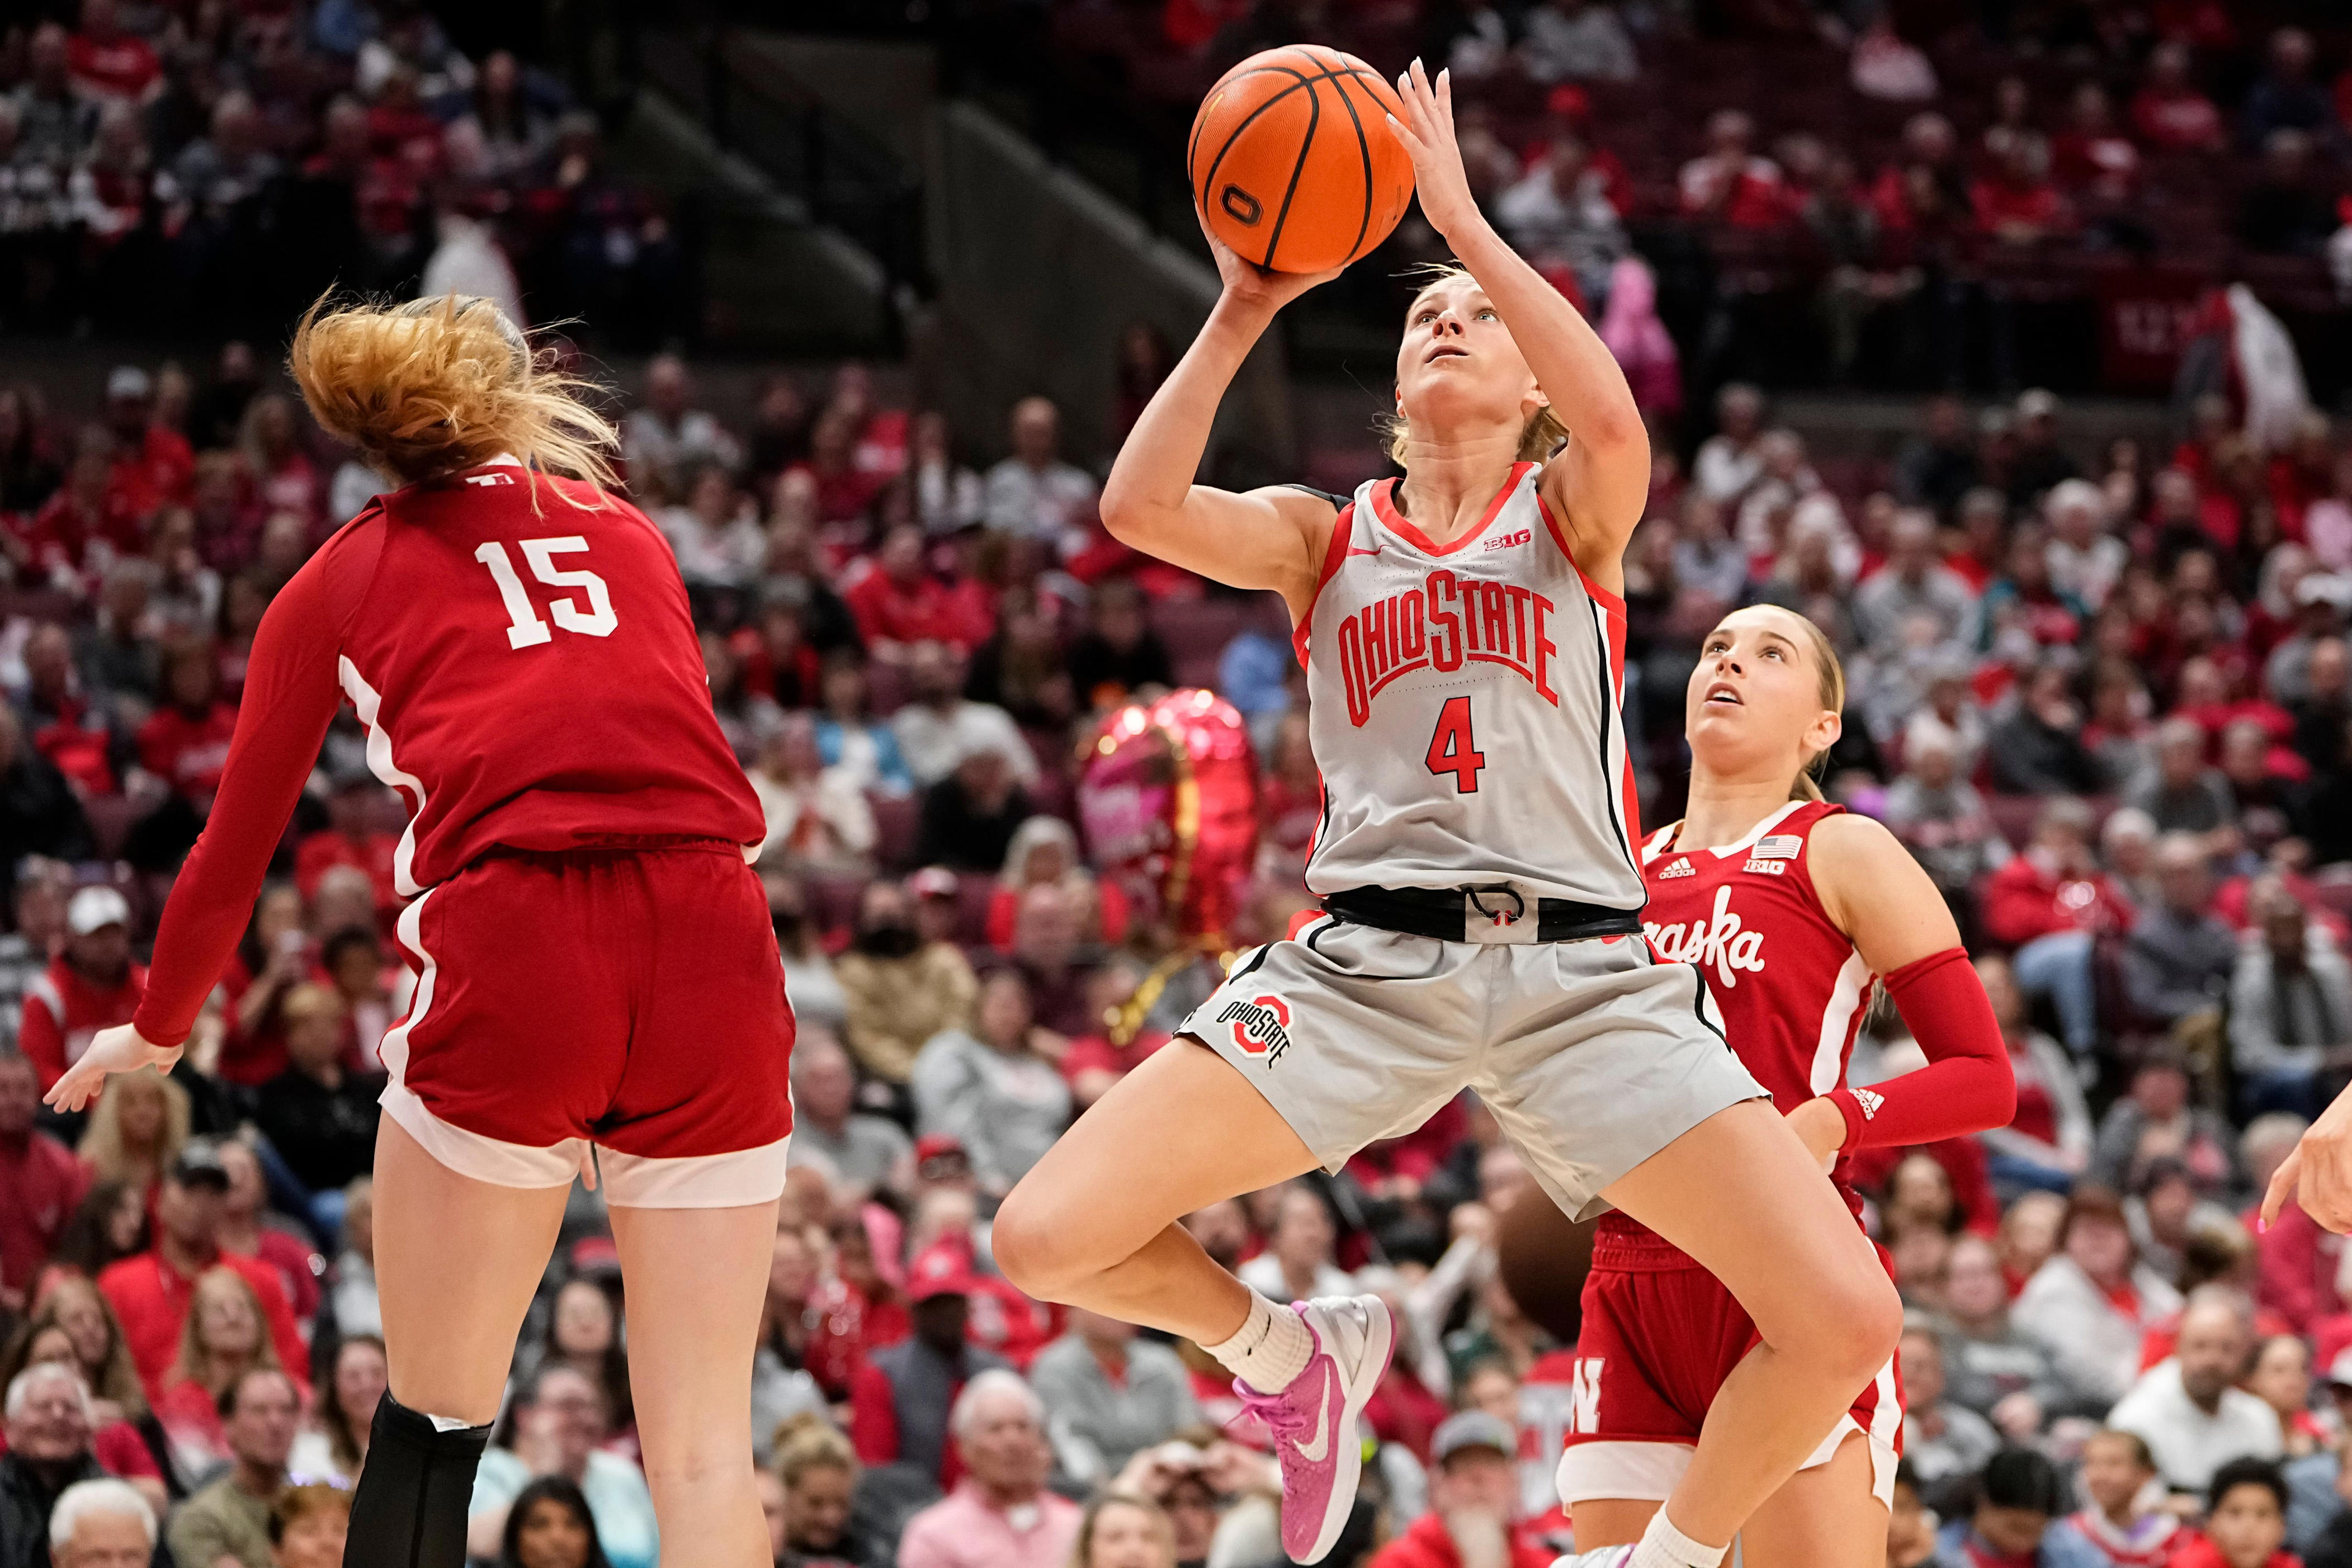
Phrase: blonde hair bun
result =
(435, 386)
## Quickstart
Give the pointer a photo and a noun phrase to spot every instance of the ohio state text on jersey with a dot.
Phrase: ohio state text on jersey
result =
(1465, 708)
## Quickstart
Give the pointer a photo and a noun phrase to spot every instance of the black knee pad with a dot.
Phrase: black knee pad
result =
(410, 1508)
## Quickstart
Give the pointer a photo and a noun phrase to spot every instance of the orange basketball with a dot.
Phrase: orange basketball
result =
(1293, 160)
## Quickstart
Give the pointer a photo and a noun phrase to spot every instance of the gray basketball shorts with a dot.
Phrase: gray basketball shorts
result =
(1593, 1055)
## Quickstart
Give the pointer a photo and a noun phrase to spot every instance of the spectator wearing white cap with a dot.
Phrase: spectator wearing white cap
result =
(102, 1524)
(2040, 464)
(1473, 1514)
(92, 984)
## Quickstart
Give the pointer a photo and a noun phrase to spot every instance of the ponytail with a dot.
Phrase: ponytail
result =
(436, 385)
(1806, 784)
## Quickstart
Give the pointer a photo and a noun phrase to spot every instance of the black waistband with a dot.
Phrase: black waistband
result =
(1447, 914)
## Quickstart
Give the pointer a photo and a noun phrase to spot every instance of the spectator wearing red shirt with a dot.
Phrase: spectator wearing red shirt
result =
(40, 1183)
(272, 448)
(2168, 112)
(1474, 1495)
(185, 744)
(2016, 203)
(91, 985)
(901, 1395)
(1095, 1061)
(2051, 903)
(2093, 157)
(351, 839)
(1729, 182)
(105, 62)
(154, 464)
(897, 602)
(844, 490)
(150, 1292)
(86, 521)
(63, 725)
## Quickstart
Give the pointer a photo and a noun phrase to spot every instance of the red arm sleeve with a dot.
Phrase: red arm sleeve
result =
(1967, 1085)
(291, 693)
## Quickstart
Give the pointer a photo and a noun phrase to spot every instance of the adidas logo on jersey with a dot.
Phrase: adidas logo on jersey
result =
(1870, 1102)
(1682, 868)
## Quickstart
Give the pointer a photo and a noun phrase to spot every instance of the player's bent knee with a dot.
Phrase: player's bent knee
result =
(1032, 1245)
(1846, 1327)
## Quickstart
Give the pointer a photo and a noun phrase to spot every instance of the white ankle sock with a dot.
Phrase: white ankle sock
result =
(1272, 1346)
(1663, 1546)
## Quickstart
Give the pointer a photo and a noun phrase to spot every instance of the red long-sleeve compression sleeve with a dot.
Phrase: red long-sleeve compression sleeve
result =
(1966, 1086)
(291, 693)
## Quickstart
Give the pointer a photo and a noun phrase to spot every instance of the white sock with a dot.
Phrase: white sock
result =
(1663, 1546)
(1272, 1346)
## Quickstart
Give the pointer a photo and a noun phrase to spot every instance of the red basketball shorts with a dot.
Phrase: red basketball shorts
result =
(1660, 1335)
(633, 1000)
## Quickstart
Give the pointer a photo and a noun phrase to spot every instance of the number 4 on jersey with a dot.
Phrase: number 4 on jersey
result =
(1451, 748)
(524, 629)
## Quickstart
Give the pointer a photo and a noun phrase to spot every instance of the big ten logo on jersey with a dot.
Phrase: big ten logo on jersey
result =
(1716, 943)
(1445, 623)
(1505, 541)
(1261, 1025)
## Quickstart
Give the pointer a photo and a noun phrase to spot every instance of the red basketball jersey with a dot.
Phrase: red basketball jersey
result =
(1790, 988)
(529, 675)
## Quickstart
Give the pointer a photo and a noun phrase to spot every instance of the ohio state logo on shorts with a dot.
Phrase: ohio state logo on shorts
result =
(1261, 1025)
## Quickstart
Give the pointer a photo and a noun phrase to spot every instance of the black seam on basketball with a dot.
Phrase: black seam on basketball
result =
(1364, 152)
(1297, 77)
(1299, 169)
(1247, 970)
(1209, 180)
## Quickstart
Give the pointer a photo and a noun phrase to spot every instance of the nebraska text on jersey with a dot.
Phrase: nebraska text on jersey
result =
(1717, 944)
(1441, 625)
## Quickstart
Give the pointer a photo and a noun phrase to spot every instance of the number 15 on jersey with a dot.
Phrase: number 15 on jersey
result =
(524, 629)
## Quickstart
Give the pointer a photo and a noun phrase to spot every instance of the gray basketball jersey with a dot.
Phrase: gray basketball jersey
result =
(1465, 708)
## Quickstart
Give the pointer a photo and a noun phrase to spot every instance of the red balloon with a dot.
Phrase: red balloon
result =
(1168, 799)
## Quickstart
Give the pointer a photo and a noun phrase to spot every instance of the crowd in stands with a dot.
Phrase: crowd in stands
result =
(160, 161)
(1892, 195)
(2104, 696)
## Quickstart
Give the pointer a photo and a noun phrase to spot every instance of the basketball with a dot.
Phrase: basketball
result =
(1544, 1255)
(1292, 159)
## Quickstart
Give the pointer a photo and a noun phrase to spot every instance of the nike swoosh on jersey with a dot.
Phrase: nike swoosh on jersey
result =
(1313, 1453)
(1352, 549)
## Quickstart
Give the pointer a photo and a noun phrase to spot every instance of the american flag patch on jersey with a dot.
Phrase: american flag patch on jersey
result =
(1777, 847)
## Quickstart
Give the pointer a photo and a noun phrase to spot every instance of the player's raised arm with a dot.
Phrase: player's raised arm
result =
(1270, 538)
(1597, 487)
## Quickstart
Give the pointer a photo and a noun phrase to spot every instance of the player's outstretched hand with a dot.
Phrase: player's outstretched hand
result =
(1427, 132)
(118, 1049)
(2319, 1172)
(1247, 283)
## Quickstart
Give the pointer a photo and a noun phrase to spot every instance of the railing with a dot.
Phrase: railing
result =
(752, 108)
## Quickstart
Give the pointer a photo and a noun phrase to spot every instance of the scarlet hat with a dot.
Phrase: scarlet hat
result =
(931, 1145)
(938, 1271)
